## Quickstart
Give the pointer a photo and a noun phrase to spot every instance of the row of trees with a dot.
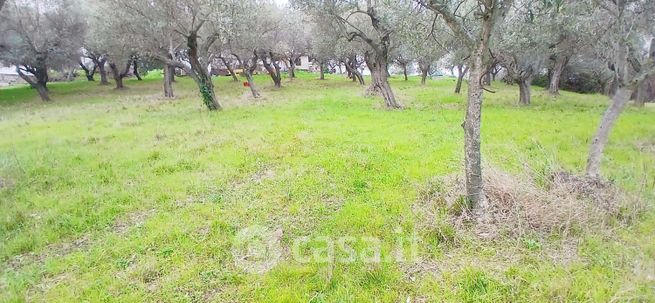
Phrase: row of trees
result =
(479, 38)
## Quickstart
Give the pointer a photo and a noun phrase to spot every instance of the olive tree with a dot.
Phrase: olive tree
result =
(569, 25)
(37, 36)
(472, 22)
(523, 44)
(370, 22)
(243, 38)
(180, 33)
(628, 47)
(294, 38)
(322, 46)
(426, 49)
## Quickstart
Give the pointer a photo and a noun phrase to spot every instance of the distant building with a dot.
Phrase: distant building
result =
(9, 76)
(303, 63)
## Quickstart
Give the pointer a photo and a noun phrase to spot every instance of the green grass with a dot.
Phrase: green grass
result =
(125, 196)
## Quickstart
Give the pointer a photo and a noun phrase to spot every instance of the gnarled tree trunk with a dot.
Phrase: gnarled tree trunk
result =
(89, 73)
(272, 68)
(556, 74)
(377, 64)
(103, 72)
(525, 90)
(200, 75)
(40, 81)
(118, 74)
(351, 67)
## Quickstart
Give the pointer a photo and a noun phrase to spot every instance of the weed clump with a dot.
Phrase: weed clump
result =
(516, 206)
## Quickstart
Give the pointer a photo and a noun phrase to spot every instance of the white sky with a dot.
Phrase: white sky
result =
(281, 3)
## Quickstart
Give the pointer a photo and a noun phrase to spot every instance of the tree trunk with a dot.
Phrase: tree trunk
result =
(40, 73)
(321, 68)
(87, 72)
(525, 91)
(135, 69)
(405, 71)
(248, 68)
(472, 154)
(461, 71)
(39, 84)
(43, 93)
(102, 70)
(351, 67)
(377, 65)
(619, 100)
(273, 72)
(646, 90)
(556, 74)
(118, 77)
(292, 67)
(487, 79)
(642, 93)
(200, 75)
(168, 83)
(349, 75)
(251, 84)
(230, 69)
(173, 70)
(425, 70)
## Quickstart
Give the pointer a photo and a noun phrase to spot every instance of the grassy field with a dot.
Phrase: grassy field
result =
(125, 196)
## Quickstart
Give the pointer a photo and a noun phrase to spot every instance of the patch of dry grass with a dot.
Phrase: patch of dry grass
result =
(517, 206)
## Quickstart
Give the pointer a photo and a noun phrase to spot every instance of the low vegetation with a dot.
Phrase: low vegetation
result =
(124, 195)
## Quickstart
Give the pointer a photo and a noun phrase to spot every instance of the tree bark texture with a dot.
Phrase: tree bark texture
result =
(461, 72)
(619, 100)
(377, 64)
(118, 74)
(89, 73)
(271, 67)
(525, 91)
(321, 67)
(200, 75)
(425, 70)
(168, 83)
(556, 74)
